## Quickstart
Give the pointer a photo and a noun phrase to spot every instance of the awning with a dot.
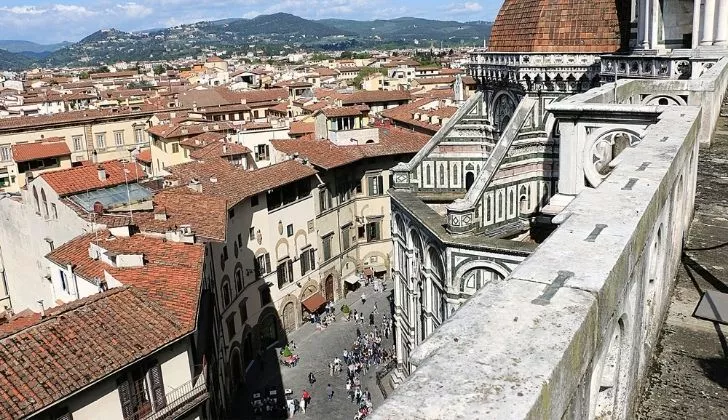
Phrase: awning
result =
(352, 279)
(368, 271)
(314, 302)
(713, 306)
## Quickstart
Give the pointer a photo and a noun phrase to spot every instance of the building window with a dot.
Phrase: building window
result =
(373, 231)
(231, 326)
(308, 261)
(289, 230)
(251, 234)
(239, 282)
(454, 175)
(141, 390)
(54, 211)
(346, 237)
(231, 213)
(310, 226)
(376, 185)
(442, 175)
(327, 246)
(175, 148)
(285, 273)
(119, 138)
(64, 282)
(262, 152)
(324, 199)
(139, 135)
(226, 294)
(254, 200)
(100, 140)
(243, 312)
(262, 264)
(5, 153)
(35, 200)
(45, 203)
(265, 297)
(77, 143)
(428, 173)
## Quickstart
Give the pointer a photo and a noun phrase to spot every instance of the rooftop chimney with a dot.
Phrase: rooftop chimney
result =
(101, 172)
(195, 185)
(160, 213)
(194, 106)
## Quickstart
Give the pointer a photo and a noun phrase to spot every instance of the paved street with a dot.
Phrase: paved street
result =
(317, 348)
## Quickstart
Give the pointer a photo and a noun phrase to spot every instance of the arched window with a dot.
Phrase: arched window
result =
(35, 200)
(429, 175)
(455, 175)
(510, 202)
(45, 202)
(488, 213)
(500, 205)
(226, 293)
(238, 279)
(442, 175)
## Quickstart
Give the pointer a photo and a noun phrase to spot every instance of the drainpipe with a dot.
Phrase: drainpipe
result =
(4, 279)
(75, 281)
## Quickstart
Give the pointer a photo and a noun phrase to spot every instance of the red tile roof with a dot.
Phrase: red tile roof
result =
(404, 114)
(222, 179)
(86, 178)
(47, 148)
(206, 214)
(556, 26)
(219, 149)
(346, 111)
(171, 275)
(327, 155)
(79, 344)
(374, 96)
(173, 131)
(300, 127)
(69, 118)
(145, 155)
(201, 140)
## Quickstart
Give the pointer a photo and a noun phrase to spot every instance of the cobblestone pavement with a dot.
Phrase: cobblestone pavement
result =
(317, 348)
(689, 377)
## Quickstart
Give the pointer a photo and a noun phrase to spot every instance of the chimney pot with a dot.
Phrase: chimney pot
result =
(101, 172)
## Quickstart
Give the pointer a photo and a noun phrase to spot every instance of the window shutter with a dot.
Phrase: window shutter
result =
(258, 268)
(267, 263)
(312, 259)
(281, 276)
(380, 185)
(65, 416)
(124, 389)
(370, 185)
(304, 263)
(157, 385)
(290, 271)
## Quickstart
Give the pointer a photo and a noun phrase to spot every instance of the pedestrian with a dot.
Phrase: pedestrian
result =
(306, 397)
(303, 402)
(331, 369)
(311, 378)
(329, 391)
(363, 298)
(358, 332)
(375, 307)
(371, 318)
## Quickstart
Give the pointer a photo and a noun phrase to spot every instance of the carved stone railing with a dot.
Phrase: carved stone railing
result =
(643, 66)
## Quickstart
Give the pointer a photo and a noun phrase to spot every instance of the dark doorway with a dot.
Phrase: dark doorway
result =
(469, 180)
(329, 288)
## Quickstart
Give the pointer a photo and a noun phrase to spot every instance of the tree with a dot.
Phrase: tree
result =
(366, 72)
(83, 75)
(346, 55)
(159, 69)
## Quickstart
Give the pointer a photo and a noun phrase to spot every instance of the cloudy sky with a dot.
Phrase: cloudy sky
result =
(70, 20)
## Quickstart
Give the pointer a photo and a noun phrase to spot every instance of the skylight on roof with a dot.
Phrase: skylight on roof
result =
(112, 197)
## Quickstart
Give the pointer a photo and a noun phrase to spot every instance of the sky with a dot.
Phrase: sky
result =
(70, 20)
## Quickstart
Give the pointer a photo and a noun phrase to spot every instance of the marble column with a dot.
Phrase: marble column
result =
(708, 23)
(697, 19)
(721, 24)
(643, 19)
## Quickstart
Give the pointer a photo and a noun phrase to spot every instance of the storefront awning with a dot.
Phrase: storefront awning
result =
(352, 279)
(314, 302)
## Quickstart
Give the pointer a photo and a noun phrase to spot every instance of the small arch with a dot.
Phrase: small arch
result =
(488, 206)
(511, 201)
(455, 175)
(500, 205)
(523, 200)
(239, 279)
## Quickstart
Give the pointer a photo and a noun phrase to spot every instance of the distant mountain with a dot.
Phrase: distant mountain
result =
(408, 28)
(13, 61)
(276, 34)
(17, 46)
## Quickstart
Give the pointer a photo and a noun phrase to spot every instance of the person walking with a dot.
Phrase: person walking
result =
(311, 378)
(329, 391)
(302, 403)
(375, 308)
(363, 299)
(371, 319)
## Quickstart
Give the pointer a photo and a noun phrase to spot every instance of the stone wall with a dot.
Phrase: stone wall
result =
(570, 332)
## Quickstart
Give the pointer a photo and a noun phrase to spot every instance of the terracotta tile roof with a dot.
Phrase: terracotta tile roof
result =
(171, 275)
(206, 214)
(435, 80)
(327, 155)
(219, 149)
(316, 106)
(301, 127)
(325, 71)
(556, 26)
(113, 75)
(215, 59)
(172, 131)
(222, 179)
(79, 344)
(404, 114)
(86, 178)
(374, 96)
(46, 148)
(70, 117)
(145, 155)
(344, 111)
(201, 140)
(281, 108)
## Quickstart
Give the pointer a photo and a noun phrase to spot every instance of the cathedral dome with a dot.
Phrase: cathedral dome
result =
(560, 26)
